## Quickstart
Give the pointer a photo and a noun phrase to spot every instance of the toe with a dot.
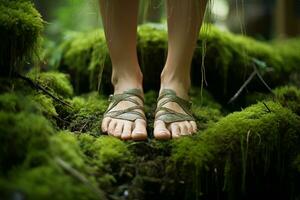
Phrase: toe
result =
(139, 132)
(175, 130)
(189, 127)
(160, 130)
(183, 129)
(194, 126)
(126, 134)
(111, 127)
(118, 130)
(105, 123)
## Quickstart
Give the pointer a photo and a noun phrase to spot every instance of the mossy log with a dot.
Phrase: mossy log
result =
(20, 29)
(229, 60)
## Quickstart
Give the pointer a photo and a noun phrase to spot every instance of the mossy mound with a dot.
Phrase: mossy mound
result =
(51, 145)
(88, 111)
(38, 161)
(231, 157)
(20, 29)
(229, 60)
(288, 96)
(84, 57)
(54, 81)
(241, 155)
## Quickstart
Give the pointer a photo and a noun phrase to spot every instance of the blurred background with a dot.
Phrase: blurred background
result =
(264, 20)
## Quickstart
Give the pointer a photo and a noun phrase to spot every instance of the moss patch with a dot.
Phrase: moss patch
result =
(220, 160)
(55, 150)
(226, 152)
(20, 29)
(55, 82)
(229, 60)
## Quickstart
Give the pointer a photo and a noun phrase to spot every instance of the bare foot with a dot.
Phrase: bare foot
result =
(126, 126)
(163, 130)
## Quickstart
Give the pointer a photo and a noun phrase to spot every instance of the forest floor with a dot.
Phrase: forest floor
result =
(51, 145)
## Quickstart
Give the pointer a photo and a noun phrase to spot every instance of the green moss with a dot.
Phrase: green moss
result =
(84, 58)
(47, 105)
(152, 52)
(24, 129)
(289, 49)
(205, 108)
(107, 150)
(56, 82)
(16, 102)
(20, 29)
(150, 98)
(236, 147)
(87, 112)
(49, 182)
(232, 155)
(65, 145)
(19, 137)
(229, 60)
(34, 102)
(288, 96)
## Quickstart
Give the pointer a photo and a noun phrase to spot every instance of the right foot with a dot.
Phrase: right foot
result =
(127, 125)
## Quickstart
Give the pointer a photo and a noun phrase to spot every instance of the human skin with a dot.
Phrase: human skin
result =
(120, 25)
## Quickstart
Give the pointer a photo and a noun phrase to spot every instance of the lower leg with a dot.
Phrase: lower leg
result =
(120, 26)
(184, 22)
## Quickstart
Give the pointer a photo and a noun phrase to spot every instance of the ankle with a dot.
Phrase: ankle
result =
(175, 76)
(125, 82)
(181, 87)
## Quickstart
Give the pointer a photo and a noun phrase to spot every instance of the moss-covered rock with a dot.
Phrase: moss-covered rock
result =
(53, 148)
(88, 112)
(84, 58)
(55, 82)
(229, 60)
(288, 96)
(20, 29)
(47, 182)
(241, 155)
(19, 137)
(152, 53)
(231, 156)
(63, 175)
(25, 130)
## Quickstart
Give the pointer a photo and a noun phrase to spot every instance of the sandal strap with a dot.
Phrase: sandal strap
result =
(168, 115)
(128, 113)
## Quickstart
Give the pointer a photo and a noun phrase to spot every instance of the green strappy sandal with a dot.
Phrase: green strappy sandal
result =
(168, 115)
(129, 113)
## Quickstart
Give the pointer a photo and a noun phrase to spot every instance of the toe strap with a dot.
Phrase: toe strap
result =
(127, 114)
(130, 113)
(168, 115)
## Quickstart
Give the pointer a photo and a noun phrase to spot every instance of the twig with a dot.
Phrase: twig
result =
(263, 81)
(37, 86)
(255, 72)
(267, 106)
(242, 88)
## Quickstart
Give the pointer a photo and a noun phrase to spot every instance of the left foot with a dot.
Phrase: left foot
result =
(173, 119)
